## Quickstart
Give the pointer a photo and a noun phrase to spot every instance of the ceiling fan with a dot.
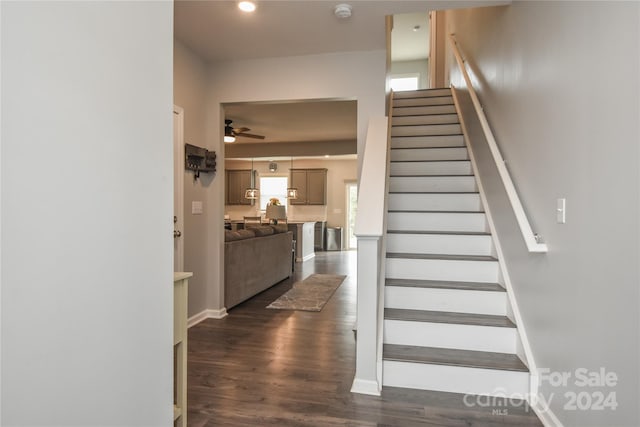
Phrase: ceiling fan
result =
(230, 133)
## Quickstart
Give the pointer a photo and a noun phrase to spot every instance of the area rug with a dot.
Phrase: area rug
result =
(311, 294)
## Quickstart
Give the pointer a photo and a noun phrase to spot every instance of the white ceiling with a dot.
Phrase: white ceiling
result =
(295, 122)
(409, 43)
(218, 31)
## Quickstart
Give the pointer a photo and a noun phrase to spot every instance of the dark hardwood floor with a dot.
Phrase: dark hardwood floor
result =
(260, 367)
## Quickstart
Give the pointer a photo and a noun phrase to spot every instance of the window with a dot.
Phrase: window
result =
(273, 186)
(404, 82)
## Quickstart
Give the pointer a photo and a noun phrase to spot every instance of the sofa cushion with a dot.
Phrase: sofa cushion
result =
(246, 234)
(262, 230)
(230, 236)
(279, 228)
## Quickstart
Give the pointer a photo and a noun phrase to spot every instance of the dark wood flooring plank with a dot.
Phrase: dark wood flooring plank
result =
(260, 367)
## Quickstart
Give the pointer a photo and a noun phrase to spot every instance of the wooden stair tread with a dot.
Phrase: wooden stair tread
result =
(432, 114)
(449, 175)
(433, 192)
(441, 233)
(453, 357)
(439, 284)
(420, 93)
(429, 134)
(448, 317)
(414, 161)
(442, 257)
(428, 148)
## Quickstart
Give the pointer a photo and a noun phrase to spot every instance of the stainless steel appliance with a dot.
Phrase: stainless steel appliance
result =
(319, 236)
(334, 239)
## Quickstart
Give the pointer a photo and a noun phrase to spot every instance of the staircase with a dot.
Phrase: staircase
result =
(446, 324)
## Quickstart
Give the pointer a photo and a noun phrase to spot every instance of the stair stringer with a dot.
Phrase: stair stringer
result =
(513, 312)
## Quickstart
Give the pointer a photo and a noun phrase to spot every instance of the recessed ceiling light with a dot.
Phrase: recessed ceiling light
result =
(247, 6)
(326, 156)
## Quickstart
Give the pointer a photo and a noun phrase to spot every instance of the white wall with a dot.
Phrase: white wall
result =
(190, 79)
(560, 84)
(339, 172)
(420, 66)
(86, 213)
(353, 75)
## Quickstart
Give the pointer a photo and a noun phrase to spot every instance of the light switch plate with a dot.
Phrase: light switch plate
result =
(561, 211)
(196, 208)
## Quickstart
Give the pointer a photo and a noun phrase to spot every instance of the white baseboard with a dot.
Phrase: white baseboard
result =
(206, 314)
(306, 258)
(369, 387)
(546, 415)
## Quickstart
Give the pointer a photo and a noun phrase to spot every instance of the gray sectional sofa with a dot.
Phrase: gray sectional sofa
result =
(254, 260)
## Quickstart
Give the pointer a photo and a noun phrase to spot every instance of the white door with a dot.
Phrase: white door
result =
(178, 189)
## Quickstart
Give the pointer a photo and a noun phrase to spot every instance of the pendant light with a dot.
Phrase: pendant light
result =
(292, 192)
(252, 192)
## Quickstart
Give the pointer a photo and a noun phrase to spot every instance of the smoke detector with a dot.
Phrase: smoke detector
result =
(342, 11)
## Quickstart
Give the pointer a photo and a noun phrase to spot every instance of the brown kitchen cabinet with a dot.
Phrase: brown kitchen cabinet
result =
(237, 181)
(311, 185)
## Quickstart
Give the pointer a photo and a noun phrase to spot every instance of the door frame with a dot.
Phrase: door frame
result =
(178, 186)
(347, 227)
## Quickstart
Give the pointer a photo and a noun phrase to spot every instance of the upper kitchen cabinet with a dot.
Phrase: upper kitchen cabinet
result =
(238, 180)
(311, 185)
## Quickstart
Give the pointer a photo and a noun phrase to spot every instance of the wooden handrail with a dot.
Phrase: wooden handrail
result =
(531, 239)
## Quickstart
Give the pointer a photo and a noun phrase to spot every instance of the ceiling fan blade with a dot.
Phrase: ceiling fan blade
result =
(240, 130)
(250, 135)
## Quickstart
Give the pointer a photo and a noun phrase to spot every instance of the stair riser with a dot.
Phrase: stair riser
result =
(421, 93)
(426, 130)
(451, 300)
(426, 110)
(448, 335)
(419, 102)
(427, 141)
(431, 168)
(416, 154)
(436, 184)
(435, 202)
(455, 379)
(437, 269)
(432, 119)
(444, 244)
(436, 221)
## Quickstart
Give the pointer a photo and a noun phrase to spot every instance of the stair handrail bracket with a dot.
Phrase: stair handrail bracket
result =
(532, 240)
